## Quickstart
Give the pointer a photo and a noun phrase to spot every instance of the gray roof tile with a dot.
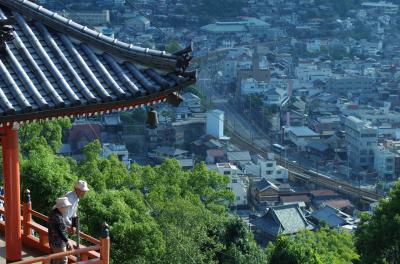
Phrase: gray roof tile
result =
(54, 67)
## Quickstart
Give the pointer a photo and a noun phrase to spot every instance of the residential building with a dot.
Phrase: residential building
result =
(236, 157)
(215, 123)
(362, 140)
(344, 83)
(300, 136)
(265, 169)
(387, 160)
(119, 150)
(265, 192)
(138, 24)
(247, 25)
(280, 220)
(165, 152)
(334, 218)
(238, 183)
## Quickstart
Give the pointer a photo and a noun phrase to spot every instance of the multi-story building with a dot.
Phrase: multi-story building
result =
(344, 83)
(361, 139)
(238, 184)
(387, 160)
(265, 169)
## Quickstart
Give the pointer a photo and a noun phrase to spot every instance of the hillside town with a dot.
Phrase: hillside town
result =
(286, 84)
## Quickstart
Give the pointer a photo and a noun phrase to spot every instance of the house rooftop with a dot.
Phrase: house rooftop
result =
(173, 152)
(322, 193)
(239, 156)
(332, 216)
(302, 131)
(264, 184)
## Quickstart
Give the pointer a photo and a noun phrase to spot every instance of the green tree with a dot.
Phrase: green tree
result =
(47, 175)
(287, 251)
(239, 244)
(43, 133)
(102, 173)
(158, 214)
(322, 246)
(135, 236)
(378, 235)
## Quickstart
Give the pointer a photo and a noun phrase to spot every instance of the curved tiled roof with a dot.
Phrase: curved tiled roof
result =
(55, 67)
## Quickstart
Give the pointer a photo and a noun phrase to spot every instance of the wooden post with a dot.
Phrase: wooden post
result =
(105, 245)
(26, 210)
(12, 200)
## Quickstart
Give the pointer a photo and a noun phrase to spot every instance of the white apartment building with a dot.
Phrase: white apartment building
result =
(252, 86)
(387, 160)
(362, 140)
(266, 169)
(215, 123)
(309, 72)
(238, 184)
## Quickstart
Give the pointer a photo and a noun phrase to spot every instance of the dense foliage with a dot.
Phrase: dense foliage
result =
(378, 235)
(322, 246)
(158, 214)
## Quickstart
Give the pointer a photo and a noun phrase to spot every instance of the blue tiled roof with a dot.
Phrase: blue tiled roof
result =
(55, 67)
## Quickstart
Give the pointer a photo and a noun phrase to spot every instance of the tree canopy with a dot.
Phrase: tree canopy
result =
(158, 214)
(378, 234)
(322, 246)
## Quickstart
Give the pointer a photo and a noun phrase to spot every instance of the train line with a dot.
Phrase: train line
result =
(303, 174)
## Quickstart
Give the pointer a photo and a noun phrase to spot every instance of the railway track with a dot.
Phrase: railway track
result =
(304, 174)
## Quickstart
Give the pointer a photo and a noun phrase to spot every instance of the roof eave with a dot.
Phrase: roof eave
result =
(93, 109)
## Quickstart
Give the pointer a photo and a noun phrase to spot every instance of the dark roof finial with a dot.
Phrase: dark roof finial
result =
(6, 34)
(184, 57)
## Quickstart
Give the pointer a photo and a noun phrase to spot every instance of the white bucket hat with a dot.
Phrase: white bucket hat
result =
(82, 185)
(62, 202)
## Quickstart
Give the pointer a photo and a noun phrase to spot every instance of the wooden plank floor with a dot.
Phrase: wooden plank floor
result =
(26, 253)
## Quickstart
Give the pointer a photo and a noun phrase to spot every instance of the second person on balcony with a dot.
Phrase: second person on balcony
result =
(81, 188)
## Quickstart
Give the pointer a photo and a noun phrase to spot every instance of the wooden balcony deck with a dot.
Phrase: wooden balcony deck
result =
(26, 253)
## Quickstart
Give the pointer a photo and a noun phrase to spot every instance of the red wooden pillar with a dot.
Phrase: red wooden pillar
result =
(12, 200)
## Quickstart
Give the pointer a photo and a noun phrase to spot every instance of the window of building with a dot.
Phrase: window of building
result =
(227, 172)
(234, 180)
(269, 165)
(237, 198)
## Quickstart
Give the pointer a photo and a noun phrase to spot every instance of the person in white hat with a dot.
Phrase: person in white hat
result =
(81, 188)
(58, 236)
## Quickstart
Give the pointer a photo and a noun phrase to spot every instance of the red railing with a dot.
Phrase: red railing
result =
(35, 236)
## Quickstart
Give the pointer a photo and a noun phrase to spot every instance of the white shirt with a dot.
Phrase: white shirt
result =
(72, 211)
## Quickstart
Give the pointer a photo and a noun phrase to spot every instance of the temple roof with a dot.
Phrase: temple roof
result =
(51, 66)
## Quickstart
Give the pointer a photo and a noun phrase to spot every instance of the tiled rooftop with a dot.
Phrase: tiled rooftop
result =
(52, 66)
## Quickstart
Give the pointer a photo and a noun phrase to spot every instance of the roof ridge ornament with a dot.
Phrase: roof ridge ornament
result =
(6, 33)
(184, 57)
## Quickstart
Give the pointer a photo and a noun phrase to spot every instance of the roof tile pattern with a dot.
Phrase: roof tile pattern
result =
(46, 71)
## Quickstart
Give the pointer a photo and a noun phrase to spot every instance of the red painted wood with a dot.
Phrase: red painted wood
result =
(12, 201)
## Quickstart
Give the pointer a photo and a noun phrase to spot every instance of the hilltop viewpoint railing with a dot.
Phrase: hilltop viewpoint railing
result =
(35, 236)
